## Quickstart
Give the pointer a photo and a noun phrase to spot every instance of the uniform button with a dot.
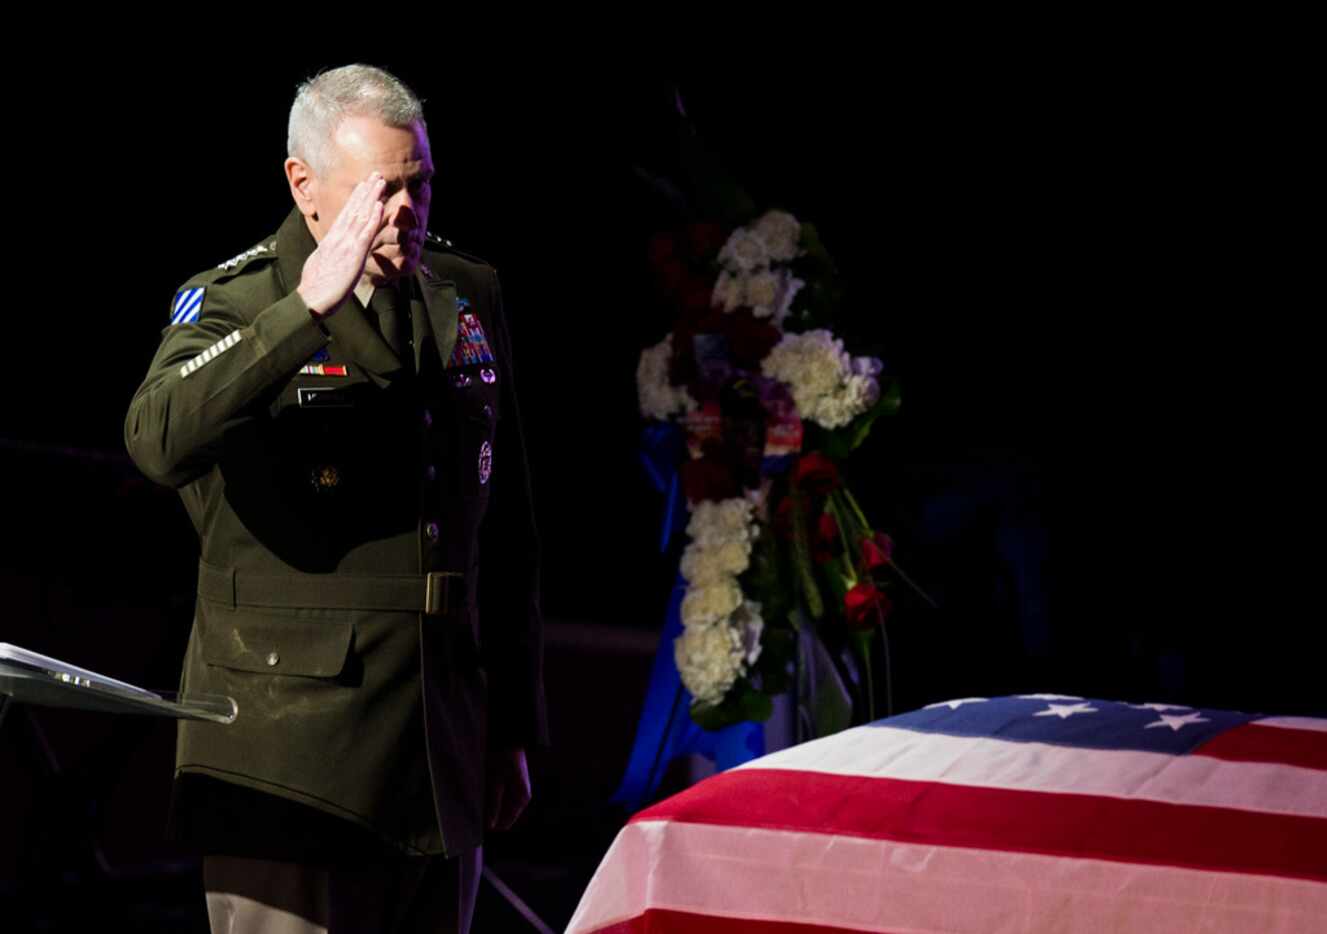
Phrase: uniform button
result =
(428, 419)
(431, 530)
(272, 659)
(488, 410)
(430, 473)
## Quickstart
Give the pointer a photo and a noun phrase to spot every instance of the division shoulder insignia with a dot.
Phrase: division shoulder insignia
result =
(187, 305)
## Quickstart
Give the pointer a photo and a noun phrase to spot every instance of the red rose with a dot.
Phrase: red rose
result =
(863, 604)
(750, 339)
(673, 276)
(825, 547)
(662, 247)
(705, 239)
(694, 295)
(877, 550)
(708, 478)
(816, 472)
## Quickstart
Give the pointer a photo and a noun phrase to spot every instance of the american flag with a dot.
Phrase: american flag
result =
(1037, 813)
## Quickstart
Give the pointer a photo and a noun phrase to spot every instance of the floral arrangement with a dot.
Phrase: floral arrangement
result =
(771, 404)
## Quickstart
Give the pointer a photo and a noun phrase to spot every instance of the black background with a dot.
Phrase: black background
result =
(1076, 264)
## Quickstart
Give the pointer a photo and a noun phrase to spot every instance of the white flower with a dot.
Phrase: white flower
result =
(705, 565)
(717, 522)
(780, 232)
(711, 603)
(709, 659)
(729, 291)
(749, 624)
(813, 364)
(659, 398)
(867, 366)
(744, 252)
(762, 291)
(827, 386)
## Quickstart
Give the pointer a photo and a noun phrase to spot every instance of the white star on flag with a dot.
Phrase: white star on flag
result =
(1064, 711)
(955, 704)
(1049, 697)
(1160, 708)
(1176, 723)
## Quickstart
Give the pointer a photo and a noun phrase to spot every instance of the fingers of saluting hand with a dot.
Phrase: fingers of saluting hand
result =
(362, 210)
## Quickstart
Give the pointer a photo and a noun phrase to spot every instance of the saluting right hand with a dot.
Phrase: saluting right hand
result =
(334, 268)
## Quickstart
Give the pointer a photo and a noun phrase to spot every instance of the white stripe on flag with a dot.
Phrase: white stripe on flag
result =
(1295, 723)
(890, 752)
(880, 885)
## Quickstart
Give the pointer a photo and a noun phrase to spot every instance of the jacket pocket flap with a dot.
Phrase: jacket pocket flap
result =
(314, 648)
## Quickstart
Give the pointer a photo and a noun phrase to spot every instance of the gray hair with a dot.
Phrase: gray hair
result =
(322, 102)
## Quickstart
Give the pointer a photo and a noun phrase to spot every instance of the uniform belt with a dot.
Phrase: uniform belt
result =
(437, 593)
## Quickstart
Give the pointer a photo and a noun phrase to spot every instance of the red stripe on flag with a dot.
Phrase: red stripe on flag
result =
(665, 921)
(1072, 825)
(1254, 743)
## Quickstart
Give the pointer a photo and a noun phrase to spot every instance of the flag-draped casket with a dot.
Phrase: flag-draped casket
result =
(1038, 813)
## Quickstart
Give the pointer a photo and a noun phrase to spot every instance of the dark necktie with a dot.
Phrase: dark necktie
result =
(384, 306)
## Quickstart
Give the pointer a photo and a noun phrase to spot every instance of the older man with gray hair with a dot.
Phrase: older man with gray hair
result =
(336, 405)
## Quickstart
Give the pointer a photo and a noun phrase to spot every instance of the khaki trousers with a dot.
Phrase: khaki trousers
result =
(418, 895)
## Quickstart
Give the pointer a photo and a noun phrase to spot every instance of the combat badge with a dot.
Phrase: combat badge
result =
(485, 463)
(471, 342)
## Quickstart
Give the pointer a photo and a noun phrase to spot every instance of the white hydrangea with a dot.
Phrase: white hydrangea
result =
(827, 386)
(715, 522)
(770, 293)
(813, 364)
(705, 565)
(729, 291)
(749, 624)
(659, 398)
(762, 291)
(744, 252)
(709, 659)
(780, 232)
(711, 603)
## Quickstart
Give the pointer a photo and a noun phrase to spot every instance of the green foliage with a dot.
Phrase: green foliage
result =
(841, 442)
(742, 702)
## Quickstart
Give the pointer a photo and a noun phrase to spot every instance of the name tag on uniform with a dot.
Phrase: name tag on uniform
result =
(317, 397)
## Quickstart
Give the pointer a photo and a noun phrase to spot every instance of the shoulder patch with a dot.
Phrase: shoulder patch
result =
(187, 306)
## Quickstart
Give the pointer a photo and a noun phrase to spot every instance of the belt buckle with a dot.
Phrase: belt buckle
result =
(436, 585)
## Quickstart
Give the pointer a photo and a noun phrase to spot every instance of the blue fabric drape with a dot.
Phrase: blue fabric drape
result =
(665, 730)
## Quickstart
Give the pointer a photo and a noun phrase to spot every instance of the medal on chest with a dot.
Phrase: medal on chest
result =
(472, 345)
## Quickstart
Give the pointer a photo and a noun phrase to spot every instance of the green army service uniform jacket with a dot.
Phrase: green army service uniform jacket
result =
(343, 492)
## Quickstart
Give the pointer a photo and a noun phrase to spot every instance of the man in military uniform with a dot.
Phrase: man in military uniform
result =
(336, 406)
